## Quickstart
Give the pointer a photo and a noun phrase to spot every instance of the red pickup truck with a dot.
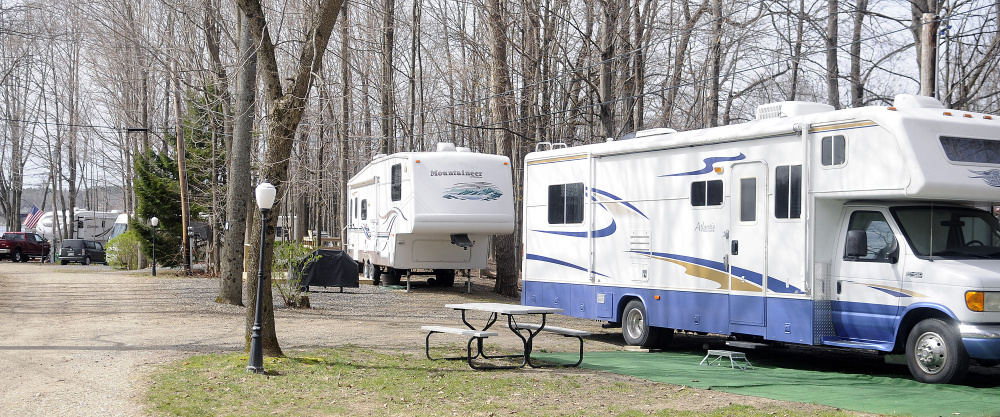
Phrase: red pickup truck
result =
(21, 246)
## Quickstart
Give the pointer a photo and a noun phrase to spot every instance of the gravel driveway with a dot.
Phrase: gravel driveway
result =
(81, 340)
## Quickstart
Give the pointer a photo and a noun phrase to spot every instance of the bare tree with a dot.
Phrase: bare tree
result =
(285, 107)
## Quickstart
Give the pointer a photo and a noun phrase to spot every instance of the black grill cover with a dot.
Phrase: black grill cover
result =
(334, 268)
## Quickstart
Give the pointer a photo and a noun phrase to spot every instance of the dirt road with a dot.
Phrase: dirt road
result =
(83, 340)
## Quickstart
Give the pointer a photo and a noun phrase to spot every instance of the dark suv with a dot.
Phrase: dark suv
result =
(82, 251)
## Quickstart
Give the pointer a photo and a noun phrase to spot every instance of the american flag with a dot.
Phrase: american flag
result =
(32, 219)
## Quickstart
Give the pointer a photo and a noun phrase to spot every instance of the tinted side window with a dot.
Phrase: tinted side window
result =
(706, 193)
(397, 182)
(788, 192)
(364, 209)
(834, 150)
(565, 203)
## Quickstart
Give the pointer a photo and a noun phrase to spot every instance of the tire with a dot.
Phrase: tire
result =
(392, 276)
(638, 332)
(445, 277)
(63, 262)
(935, 353)
(18, 256)
(86, 260)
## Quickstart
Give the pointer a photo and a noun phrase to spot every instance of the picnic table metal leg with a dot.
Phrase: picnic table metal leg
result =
(427, 349)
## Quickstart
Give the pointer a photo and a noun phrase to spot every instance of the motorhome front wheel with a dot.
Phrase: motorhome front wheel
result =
(636, 328)
(935, 354)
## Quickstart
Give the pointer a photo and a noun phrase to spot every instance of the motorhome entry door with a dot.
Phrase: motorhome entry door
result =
(747, 244)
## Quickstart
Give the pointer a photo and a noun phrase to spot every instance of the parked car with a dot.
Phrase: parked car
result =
(82, 251)
(21, 246)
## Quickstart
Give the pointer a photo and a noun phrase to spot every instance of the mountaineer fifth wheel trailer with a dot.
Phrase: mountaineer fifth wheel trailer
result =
(430, 211)
(857, 228)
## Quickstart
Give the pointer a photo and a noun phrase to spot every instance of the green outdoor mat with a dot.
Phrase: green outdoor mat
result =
(869, 387)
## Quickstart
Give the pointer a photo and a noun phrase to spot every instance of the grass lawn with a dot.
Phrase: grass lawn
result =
(361, 382)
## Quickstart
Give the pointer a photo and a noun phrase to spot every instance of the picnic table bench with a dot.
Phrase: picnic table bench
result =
(525, 331)
(474, 335)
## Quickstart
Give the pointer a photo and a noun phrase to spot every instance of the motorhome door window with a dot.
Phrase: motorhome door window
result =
(748, 199)
(788, 192)
(881, 240)
(364, 209)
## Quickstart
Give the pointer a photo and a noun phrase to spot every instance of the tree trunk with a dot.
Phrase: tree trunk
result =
(800, 17)
(343, 134)
(607, 109)
(832, 70)
(240, 190)
(715, 64)
(857, 84)
(387, 90)
(284, 114)
(502, 106)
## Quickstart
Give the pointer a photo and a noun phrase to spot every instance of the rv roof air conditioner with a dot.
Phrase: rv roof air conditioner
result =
(790, 109)
(445, 147)
(910, 101)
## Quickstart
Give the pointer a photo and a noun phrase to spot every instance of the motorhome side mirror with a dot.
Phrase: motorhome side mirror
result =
(893, 255)
(857, 243)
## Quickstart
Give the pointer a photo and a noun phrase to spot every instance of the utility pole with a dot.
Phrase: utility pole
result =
(182, 170)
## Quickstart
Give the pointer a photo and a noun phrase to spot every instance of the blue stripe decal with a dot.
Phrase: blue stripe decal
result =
(533, 257)
(709, 162)
(607, 231)
(778, 286)
(896, 294)
(619, 200)
(746, 274)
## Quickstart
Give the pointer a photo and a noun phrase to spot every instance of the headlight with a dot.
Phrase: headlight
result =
(982, 301)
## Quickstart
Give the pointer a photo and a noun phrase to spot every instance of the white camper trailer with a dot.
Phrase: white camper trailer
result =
(855, 228)
(83, 224)
(430, 211)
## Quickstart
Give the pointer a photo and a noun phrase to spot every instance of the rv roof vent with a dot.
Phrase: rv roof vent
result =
(910, 101)
(649, 132)
(463, 149)
(790, 109)
(446, 147)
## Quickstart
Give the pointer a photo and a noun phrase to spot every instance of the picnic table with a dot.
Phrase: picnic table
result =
(513, 312)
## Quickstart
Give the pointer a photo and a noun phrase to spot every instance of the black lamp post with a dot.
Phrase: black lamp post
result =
(265, 199)
(155, 223)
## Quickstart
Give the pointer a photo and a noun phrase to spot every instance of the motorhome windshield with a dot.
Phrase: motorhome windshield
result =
(950, 232)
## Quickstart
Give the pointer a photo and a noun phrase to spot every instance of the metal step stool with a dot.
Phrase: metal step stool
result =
(734, 357)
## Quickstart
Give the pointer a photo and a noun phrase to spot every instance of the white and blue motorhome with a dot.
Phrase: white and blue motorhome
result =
(429, 211)
(859, 228)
